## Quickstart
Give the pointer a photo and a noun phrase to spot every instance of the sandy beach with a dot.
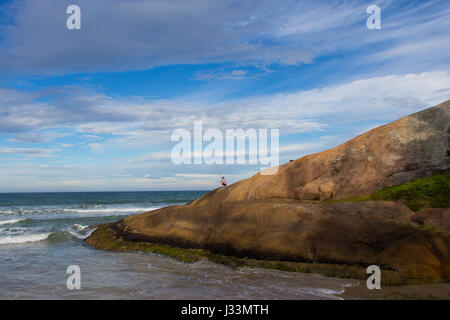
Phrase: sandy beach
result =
(438, 291)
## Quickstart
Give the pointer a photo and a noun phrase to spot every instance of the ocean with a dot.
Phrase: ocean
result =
(41, 235)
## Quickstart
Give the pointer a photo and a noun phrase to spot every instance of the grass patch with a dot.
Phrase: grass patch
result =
(433, 192)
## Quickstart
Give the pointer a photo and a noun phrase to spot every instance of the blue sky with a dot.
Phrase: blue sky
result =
(93, 109)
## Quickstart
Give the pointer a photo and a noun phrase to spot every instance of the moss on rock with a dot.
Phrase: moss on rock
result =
(432, 192)
(105, 238)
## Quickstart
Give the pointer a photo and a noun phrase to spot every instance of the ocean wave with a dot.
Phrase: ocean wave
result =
(79, 235)
(45, 211)
(29, 211)
(13, 231)
(80, 226)
(2, 223)
(108, 210)
(24, 238)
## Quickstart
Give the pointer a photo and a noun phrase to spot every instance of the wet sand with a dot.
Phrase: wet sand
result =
(438, 291)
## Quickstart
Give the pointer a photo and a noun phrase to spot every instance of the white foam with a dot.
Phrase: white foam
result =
(80, 226)
(24, 239)
(29, 211)
(79, 235)
(324, 293)
(108, 210)
(10, 221)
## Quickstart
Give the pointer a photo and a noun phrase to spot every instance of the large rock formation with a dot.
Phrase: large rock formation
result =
(279, 217)
(410, 148)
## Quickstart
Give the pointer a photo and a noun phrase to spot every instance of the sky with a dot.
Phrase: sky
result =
(94, 109)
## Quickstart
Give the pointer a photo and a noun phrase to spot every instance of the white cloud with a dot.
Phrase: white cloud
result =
(96, 146)
(28, 151)
(91, 136)
(301, 146)
(196, 32)
(377, 99)
(30, 138)
(196, 175)
(214, 75)
(346, 107)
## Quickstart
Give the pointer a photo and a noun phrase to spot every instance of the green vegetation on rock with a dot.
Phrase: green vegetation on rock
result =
(433, 192)
(104, 238)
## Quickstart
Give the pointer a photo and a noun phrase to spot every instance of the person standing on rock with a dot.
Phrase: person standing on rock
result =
(223, 181)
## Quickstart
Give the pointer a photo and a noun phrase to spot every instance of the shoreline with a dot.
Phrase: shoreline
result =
(436, 291)
(393, 286)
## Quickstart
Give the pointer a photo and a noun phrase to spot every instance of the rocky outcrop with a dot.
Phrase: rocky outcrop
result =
(275, 217)
(349, 233)
(434, 217)
(410, 148)
(279, 230)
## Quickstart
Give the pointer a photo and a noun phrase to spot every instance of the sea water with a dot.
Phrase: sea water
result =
(41, 235)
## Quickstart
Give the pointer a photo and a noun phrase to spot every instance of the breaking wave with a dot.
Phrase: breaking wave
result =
(106, 210)
(24, 238)
(12, 221)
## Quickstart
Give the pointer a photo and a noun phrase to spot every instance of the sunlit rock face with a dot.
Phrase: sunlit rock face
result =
(413, 147)
(281, 217)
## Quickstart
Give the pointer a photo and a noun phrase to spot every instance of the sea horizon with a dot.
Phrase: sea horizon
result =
(102, 191)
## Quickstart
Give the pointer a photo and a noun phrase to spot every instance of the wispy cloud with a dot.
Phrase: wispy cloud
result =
(215, 75)
(378, 98)
(30, 138)
(28, 151)
(96, 146)
(119, 35)
(193, 175)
